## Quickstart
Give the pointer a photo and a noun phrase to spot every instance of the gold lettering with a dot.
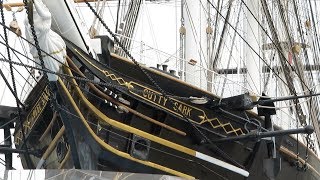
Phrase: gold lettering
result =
(25, 128)
(45, 99)
(188, 113)
(18, 139)
(33, 115)
(39, 108)
(145, 93)
(175, 106)
(165, 101)
(184, 111)
(180, 107)
(155, 97)
(149, 95)
(160, 98)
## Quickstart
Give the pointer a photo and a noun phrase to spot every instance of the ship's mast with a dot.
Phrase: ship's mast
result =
(194, 41)
(215, 56)
(284, 44)
(182, 52)
(252, 36)
(128, 24)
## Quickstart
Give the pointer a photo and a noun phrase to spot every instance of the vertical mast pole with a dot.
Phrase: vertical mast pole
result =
(209, 32)
(195, 42)
(182, 32)
(252, 36)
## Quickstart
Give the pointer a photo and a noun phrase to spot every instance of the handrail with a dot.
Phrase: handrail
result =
(112, 149)
(153, 138)
(63, 162)
(103, 95)
(286, 152)
(50, 148)
(53, 119)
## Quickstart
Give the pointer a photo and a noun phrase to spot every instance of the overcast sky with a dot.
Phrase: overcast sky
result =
(156, 28)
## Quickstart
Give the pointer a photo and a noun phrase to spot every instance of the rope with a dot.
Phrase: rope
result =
(222, 153)
(15, 89)
(142, 144)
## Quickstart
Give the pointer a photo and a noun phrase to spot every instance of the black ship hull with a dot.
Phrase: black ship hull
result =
(87, 126)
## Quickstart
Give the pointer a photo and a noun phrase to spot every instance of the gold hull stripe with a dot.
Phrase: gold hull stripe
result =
(130, 129)
(113, 150)
(292, 155)
(153, 138)
(122, 82)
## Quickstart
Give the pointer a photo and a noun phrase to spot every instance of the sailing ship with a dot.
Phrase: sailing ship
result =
(103, 110)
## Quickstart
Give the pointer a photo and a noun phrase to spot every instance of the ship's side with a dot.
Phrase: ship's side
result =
(106, 112)
(88, 127)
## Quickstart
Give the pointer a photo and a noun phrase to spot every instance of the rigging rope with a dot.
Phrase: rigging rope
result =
(222, 153)
(52, 87)
(255, 52)
(273, 42)
(36, 42)
(313, 110)
(10, 88)
(142, 144)
(47, 54)
(24, 78)
(28, 161)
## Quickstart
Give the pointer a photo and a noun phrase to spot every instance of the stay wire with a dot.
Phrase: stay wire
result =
(15, 88)
(60, 75)
(47, 54)
(32, 44)
(17, 52)
(46, 70)
(28, 58)
(65, 75)
(246, 42)
(222, 153)
(142, 144)
(10, 88)
(299, 73)
(137, 64)
(273, 42)
(303, 40)
(251, 46)
(285, 24)
(40, 69)
(19, 73)
(20, 61)
(113, 105)
(178, 97)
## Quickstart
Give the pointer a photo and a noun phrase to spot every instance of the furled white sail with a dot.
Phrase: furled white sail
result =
(49, 41)
(67, 23)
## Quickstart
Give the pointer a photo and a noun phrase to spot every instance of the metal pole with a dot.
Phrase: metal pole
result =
(258, 135)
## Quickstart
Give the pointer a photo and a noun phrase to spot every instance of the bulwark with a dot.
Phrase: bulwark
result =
(33, 115)
(176, 107)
